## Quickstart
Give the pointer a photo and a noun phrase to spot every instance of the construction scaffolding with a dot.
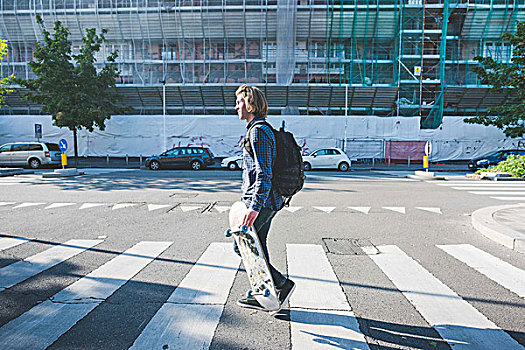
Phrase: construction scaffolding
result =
(311, 57)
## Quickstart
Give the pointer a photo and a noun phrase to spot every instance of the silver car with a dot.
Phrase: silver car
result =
(32, 154)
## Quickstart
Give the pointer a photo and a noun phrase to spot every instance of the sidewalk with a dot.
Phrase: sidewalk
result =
(504, 224)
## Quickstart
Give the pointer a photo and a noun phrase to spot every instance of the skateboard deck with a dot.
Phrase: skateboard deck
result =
(254, 259)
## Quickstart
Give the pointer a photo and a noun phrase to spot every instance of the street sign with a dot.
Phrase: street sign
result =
(63, 145)
(428, 148)
(38, 131)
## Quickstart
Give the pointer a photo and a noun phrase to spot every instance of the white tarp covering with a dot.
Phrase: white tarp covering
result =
(142, 135)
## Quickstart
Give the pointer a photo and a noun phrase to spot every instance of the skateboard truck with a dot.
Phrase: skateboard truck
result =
(242, 228)
(250, 293)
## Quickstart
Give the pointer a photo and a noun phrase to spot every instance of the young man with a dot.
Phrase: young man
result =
(260, 199)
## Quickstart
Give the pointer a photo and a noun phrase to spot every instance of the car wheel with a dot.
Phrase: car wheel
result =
(233, 166)
(307, 166)
(196, 165)
(154, 165)
(343, 166)
(34, 163)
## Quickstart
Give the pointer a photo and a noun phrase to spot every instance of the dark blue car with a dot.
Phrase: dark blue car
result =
(493, 158)
(192, 157)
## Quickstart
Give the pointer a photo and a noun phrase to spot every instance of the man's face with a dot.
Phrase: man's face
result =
(240, 107)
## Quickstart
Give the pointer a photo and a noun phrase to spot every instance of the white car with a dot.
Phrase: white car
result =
(232, 163)
(327, 158)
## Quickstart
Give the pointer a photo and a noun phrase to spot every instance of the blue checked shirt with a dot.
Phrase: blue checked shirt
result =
(257, 174)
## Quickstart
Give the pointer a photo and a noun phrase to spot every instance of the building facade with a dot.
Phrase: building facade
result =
(310, 57)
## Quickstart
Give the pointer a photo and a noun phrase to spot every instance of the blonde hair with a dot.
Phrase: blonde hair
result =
(254, 98)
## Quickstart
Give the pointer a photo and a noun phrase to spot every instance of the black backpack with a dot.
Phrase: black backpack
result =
(288, 170)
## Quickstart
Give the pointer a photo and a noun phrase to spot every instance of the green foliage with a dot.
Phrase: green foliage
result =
(7, 80)
(69, 87)
(509, 117)
(514, 165)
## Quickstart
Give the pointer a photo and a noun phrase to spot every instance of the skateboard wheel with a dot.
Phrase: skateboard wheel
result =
(228, 233)
(244, 228)
(267, 292)
(249, 293)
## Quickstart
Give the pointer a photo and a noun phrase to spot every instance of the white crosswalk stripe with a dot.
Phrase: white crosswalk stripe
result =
(43, 324)
(504, 191)
(10, 242)
(496, 269)
(320, 315)
(188, 319)
(22, 270)
(458, 323)
(318, 308)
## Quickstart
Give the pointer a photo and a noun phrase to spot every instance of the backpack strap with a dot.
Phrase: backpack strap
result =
(246, 142)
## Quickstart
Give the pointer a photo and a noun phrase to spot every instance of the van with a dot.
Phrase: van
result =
(32, 154)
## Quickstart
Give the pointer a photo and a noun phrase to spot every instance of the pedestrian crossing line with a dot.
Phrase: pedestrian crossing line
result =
(456, 321)
(327, 210)
(25, 205)
(6, 203)
(90, 205)
(10, 242)
(480, 184)
(59, 205)
(319, 310)
(24, 269)
(400, 210)
(430, 209)
(492, 193)
(152, 207)
(364, 210)
(188, 319)
(45, 323)
(496, 269)
(222, 209)
(487, 188)
(123, 205)
(509, 198)
(292, 209)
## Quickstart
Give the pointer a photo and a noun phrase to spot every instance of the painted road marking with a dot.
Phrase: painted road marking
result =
(45, 323)
(188, 319)
(10, 242)
(496, 269)
(457, 322)
(22, 270)
(319, 310)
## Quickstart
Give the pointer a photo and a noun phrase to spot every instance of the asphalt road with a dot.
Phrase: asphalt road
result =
(407, 290)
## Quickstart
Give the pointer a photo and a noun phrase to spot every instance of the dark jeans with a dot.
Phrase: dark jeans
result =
(262, 226)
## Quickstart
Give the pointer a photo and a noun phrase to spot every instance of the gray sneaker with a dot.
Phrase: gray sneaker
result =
(286, 291)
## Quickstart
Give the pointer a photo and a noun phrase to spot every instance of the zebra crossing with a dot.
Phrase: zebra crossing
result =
(210, 207)
(500, 190)
(320, 314)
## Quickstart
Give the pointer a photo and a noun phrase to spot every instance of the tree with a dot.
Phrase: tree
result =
(510, 117)
(76, 94)
(7, 80)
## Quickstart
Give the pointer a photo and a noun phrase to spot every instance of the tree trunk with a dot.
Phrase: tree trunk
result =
(75, 146)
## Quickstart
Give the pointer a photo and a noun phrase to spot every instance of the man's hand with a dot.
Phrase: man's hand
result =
(250, 217)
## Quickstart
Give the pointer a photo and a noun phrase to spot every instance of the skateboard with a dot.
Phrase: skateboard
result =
(254, 260)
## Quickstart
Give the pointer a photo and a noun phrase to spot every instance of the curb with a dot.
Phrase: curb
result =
(483, 221)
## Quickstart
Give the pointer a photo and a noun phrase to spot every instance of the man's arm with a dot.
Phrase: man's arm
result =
(262, 146)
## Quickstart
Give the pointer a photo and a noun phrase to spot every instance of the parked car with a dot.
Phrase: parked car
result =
(326, 158)
(32, 154)
(493, 158)
(192, 157)
(232, 163)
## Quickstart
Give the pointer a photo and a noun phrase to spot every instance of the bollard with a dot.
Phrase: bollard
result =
(127, 160)
(409, 161)
(388, 160)
(107, 159)
(373, 162)
(140, 160)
